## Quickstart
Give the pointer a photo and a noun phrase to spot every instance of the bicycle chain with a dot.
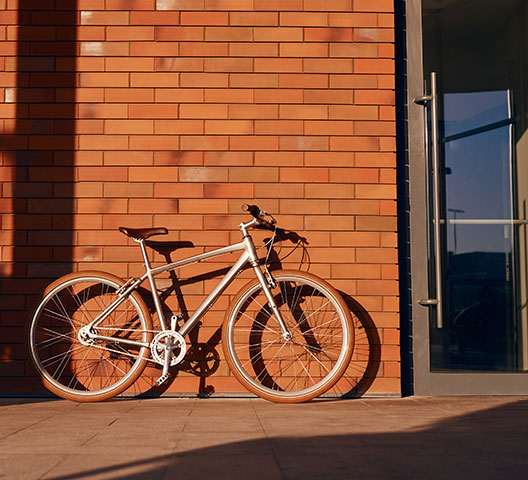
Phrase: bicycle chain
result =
(107, 349)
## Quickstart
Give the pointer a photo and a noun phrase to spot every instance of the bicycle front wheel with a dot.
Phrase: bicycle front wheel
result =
(70, 363)
(303, 367)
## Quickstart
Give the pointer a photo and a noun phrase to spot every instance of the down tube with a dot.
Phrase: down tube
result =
(213, 296)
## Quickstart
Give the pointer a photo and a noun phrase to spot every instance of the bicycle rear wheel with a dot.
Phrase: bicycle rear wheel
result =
(296, 370)
(74, 366)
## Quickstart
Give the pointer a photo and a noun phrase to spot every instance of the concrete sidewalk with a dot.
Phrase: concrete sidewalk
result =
(410, 438)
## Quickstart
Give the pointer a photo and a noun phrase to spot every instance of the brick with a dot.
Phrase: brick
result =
(229, 4)
(102, 80)
(282, 95)
(128, 95)
(304, 143)
(157, 79)
(330, 65)
(179, 33)
(328, 34)
(178, 158)
(130, 33)
(329, 190)
(103, 18)
(103, 142)
(254, 142)
(204, 49)
(278, 34)
(277, 127)
(125, 64)
(307, 19)
(204, 143)
(304, 50)
(254, 18)
(354, 19)
(203, 205)
(253, 174)
(229, 190)
(278, 65)
(204, 111)
(257, 80)
(354, 239)
(204, 80)
(205, 18)
(280, 190)
(155, 142)
(228, 158)
(304, 175)
(153, 205)
(354, 144)
(150, 174)
(253, 49)
(180, 4)
(106, 49)
(154, 49)
(356, 50)
(329, 127)
(127, 158)
(228, 65)
(373, 5)
(102, 110)
(179, 127)
(355, 207)
(374, 65)
(373, 35)
(124, 5)
(157, 110)
(353, 112)
(179, 95)
(303, 111)
(228, 127)
(154, 18)
(181, 190)
(228, 34)
(228, 95)
(253, 111)
(376, 223)
(356, 271)
(281, 159)
(303, 81)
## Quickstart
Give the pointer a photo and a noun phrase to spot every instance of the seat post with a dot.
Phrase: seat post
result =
(145, 254)
(152, 282)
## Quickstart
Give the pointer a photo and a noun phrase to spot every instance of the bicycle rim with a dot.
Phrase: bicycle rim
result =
(293, 370)
(81, 370)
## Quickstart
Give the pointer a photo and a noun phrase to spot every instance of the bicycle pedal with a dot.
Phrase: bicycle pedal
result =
(161, 380)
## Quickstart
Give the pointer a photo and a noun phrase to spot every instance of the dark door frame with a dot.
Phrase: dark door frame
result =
(424, 381)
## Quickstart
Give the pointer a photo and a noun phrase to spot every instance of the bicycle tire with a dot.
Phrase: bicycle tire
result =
(296, 370)
(93, 370)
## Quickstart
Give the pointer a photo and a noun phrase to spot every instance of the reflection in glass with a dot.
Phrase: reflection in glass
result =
(477, 49)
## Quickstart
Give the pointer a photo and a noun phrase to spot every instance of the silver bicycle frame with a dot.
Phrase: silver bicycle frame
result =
(249, 255)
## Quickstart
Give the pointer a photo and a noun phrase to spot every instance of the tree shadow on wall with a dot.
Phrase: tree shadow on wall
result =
(38, 146)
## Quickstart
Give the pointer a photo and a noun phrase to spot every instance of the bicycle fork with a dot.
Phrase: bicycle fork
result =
(266, 283)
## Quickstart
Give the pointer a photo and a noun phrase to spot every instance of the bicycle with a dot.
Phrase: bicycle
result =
(287, 335)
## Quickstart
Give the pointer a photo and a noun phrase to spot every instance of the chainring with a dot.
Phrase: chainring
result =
(157, 347)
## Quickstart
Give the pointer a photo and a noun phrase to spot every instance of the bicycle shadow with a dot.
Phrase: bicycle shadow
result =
(203, 358)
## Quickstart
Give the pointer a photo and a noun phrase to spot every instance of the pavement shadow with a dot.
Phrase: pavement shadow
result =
(488, 444)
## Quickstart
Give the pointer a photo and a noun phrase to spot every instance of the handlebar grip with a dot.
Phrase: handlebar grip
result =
(252, 210)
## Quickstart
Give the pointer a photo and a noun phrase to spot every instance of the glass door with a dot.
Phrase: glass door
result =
(475, 168)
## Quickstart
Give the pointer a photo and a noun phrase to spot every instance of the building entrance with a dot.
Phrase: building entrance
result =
(470, 237)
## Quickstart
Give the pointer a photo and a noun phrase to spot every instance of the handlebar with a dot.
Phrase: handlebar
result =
(259, 215)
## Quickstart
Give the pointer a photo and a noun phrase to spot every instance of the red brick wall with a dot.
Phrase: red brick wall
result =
(174, 113)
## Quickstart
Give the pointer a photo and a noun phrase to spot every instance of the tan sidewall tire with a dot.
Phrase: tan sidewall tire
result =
(327, 385)
(104, 276)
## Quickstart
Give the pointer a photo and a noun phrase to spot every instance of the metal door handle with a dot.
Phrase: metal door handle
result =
(431, 101)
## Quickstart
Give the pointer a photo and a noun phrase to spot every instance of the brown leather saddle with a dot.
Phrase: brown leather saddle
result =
(139, 234)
